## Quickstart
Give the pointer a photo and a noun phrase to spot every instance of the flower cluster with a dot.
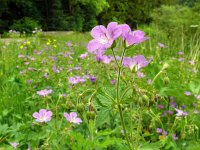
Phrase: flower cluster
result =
(45, 116)
(105, 37)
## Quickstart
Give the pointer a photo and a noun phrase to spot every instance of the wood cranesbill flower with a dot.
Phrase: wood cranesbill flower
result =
(72, 118)
(103, 37)
(136, 62)
(44, 92)
(180, 113)
(43, 115)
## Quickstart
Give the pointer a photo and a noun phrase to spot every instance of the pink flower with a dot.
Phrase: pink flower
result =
(140, 74)
(180, 113)
(76, 80)
(103, 37)
(161, 45)
(83, 56)
(72, 118)
(138, 62)
(133, 37)
(14, 144)
(43, 115)
(44, 92)
(187, 93)
(103, 58)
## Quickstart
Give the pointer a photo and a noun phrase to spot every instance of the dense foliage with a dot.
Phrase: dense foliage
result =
(77, 15)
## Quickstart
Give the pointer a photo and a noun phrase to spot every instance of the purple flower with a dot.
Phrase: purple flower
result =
(46, 75)
(180, 53)
(75, 80)
(180, 59)
(113, 81)
(30, 81)
(138, 62)
(197, 96)
(72, 117)
(159, 130)
(83, 56)
(93, 79)
(149, 81)
(103, 37)
(43, 115)
(164, 133)
(103, 58)
(173, 104)
(160, 106)
(161, 45)
(180, 113)
(44, 92)
(187, 93)
(174, 136)
(55, 69)
(14, 144)
(135, 37)
(69, 44)
(140, 74)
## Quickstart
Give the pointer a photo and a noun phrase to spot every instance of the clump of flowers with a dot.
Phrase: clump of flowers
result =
(43, 115)
(72, 118)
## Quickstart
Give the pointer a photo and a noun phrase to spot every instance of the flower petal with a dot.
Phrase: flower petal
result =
(93, 45)
(36, 115)
(98, 31)
(73, 115)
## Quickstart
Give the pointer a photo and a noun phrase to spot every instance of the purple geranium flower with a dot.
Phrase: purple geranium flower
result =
(138, 62)
(14, 144)
(83, 56)
(44, 92)
(140, 74)
(55, 69)
(103, 58)
(72, 117)
(180, 113)
(161, 45)
(43, 115)
(135, 37)
(113, 81)
(103, 37)
(174, 136)
(76, 80)
(187, 93)
(159, 130)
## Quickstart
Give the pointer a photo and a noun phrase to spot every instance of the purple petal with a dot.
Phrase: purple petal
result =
(98, 31)
(49, 114)
(113, 30)
(77, 120)
(36, 115)
(73, 115)
(67, 116)
(93, 45)
(42, 112)
(125, 29)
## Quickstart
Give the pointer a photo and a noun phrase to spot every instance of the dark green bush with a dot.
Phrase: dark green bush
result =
(25, 25)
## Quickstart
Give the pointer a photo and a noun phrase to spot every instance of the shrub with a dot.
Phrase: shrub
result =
(25, 25)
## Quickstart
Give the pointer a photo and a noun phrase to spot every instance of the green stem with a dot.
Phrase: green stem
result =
(118, 98)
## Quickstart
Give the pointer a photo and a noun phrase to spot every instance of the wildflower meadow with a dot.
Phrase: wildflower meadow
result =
(112, 88)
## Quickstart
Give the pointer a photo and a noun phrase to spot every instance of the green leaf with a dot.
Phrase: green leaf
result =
(103, 116)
